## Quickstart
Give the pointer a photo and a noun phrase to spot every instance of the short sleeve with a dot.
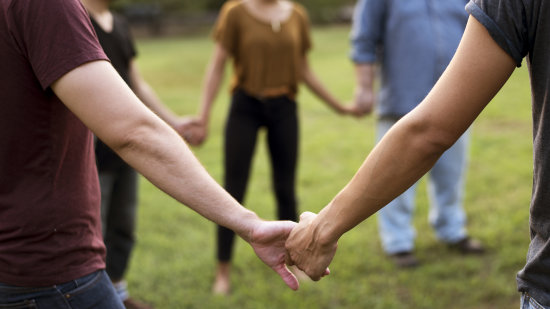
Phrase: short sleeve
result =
(226, 28)
(305, 41)
(55, 36)
(367, 30)
(506, 22)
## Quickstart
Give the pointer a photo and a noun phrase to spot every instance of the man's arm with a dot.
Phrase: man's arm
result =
(364, 96)
(366, 36)
(476, 73)
(96, 94)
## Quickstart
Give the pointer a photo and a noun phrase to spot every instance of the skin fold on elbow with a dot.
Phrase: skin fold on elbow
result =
(425, 137)
(137, 137)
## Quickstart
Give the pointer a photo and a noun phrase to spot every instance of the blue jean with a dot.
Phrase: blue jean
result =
(91, 291)
(445, 188)
(529, 303)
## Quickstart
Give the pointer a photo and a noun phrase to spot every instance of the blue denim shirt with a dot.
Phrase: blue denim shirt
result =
(412, 40)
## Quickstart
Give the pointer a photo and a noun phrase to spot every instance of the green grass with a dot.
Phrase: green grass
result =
(173, 263)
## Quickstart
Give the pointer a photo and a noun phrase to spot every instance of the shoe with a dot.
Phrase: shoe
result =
(468, 245)
(405, 259)
(135, 304)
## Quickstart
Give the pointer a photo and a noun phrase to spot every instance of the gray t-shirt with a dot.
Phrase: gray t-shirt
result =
(522, 29)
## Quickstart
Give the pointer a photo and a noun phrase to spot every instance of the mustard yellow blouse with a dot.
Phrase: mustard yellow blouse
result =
(267, 57)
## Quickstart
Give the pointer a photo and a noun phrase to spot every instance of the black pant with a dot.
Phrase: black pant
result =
(246, 116)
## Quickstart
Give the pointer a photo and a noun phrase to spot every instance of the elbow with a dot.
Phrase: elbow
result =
(134, 138)
(427, 137)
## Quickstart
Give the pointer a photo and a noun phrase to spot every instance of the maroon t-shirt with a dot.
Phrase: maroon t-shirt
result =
(49, 193)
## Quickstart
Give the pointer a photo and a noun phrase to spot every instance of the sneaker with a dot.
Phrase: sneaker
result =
(405, 259)
(468, 245)
(135, 304)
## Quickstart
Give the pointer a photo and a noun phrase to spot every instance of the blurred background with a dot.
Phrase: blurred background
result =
(172, 17)
(173, 265)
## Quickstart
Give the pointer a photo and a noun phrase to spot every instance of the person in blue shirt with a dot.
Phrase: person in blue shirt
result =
(408, 44)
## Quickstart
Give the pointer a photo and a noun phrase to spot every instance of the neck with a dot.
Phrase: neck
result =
(266, 2)
(96, 7)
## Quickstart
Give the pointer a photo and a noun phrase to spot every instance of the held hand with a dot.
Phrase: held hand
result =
(268, 241)
(193, 131)
(305, 250)
(356, 111)
(364, 100)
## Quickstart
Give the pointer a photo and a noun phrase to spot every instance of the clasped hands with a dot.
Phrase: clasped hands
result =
(193, 130)
(278, 243)
(284, 243)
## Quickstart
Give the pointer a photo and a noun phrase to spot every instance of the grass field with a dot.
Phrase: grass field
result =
(173, 264)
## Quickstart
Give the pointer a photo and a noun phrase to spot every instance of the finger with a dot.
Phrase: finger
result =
(287, 276)
(288, 260)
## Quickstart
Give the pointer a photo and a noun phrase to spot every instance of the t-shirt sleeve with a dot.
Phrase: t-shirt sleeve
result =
(367, 30)
(56, 36)
(305, 34)
(226, 28)
(505, 20)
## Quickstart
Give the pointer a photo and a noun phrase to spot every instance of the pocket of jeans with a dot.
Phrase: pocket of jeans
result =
(26, 304)
(84, 284)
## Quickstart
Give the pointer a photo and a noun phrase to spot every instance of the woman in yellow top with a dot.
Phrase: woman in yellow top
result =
(268, 41)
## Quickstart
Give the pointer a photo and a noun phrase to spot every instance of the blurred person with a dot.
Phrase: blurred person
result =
(56, 82)
(118, 181)
(412, 42)
(268, 41)
(498, 35)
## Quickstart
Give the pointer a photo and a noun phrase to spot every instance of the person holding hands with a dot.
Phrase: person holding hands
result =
(268, 42)
(406, 47)
(57, 82)
(498, 35)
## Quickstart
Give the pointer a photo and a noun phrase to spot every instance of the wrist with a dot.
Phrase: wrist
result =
(203, 120)
(325, 230)
(248, 222)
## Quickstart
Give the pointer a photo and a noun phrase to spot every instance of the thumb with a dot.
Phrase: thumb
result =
(287, 276)
(306, 216)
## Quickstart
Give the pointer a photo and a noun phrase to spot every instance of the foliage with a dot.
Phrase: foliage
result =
(173, 264)
(319, 10)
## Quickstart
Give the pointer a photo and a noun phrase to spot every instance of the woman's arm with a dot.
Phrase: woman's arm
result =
(477, 72)
(315, 85)
(211, 86)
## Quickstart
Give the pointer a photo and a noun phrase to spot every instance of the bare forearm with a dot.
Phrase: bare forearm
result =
(315, 85)
(172, 167)
(148, 96)
(211, 88)
(393, 166)
(365, 75)
(115, 114)
(414, 144)
(212, 82)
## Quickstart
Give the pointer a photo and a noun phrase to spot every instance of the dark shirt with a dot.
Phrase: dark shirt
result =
(522, 29)
(49, 194)
(119, 47)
